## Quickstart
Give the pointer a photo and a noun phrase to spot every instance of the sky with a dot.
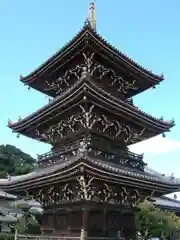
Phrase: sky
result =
(147, 31)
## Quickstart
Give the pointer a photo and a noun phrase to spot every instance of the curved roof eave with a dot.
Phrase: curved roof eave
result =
(54, 102)
(7, 195)
(46, 174)
(167, 202)
(86, 29)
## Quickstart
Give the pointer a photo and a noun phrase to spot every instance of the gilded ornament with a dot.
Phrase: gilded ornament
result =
(93, 69)
(84, 188)
(90, 119)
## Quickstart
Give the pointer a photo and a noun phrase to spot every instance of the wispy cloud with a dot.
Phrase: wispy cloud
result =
(155, 145)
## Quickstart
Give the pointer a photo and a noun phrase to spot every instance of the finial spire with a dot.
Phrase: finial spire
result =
(92, 17)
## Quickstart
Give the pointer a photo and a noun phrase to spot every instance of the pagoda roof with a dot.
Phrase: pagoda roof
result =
(88, 37)
(98, 168)
(156, 126)
(167, 203)
(8, 219)
(7, 196)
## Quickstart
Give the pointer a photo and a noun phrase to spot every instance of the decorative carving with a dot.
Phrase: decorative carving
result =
(107, 193)
(67, 192)
(93, 69)
(124, 196)
(134, 197)
(54, 194)
(122, 85)
(83, 148)
(60, 83)
(85, 191)
(90, 119)
(150, 196)
(60, 129)
(88, 189)
(130, 135)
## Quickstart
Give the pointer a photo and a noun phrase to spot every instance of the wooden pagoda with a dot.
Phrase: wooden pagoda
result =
(90, 183)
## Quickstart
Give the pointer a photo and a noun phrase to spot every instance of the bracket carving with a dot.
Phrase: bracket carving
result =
(93, 69)
(88, 189)
(84, 188)
(90, 119)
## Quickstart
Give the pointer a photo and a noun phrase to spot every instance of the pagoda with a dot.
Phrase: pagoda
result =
(8, 213)
(90, 183)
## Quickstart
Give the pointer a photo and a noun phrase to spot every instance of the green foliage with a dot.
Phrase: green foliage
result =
(34, 227)
(23, 206)
(6, 236)
(21, 225)
(28, 223)
(153, 222)
(14, 162)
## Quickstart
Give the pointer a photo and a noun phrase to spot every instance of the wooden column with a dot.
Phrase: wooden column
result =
(105, 222)
(55, 223)
(120, 231)
(129, 228)
(69, 221)
(85, 213)
(133, 226)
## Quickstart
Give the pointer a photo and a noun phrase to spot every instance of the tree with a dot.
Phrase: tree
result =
(153, 222)
(28, 223)
(14, 161)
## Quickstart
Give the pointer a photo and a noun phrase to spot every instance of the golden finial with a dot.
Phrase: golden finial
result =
(92, 17)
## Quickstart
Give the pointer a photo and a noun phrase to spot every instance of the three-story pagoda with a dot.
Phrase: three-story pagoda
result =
(89, 184)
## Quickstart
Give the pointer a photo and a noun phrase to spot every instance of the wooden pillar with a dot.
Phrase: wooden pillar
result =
(133, 226)
(69, 221)
(55, 223)
(120, 227)
(105, 222)
(129, 228)
(84, 229)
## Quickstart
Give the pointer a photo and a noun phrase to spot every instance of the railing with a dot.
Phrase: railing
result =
(135, 156)
(64, 150)
(44, 237)
(125, 157)
(45, 156)
(41, 237)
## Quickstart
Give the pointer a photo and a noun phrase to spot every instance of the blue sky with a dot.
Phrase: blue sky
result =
(147, 31)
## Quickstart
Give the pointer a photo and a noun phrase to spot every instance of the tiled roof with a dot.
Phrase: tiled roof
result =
(55, 103)
(7, 218)
(84, 32)
(167, 202)
(6, 195)
(148, 174)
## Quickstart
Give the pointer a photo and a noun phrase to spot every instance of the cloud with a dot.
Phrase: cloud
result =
(155, 145)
